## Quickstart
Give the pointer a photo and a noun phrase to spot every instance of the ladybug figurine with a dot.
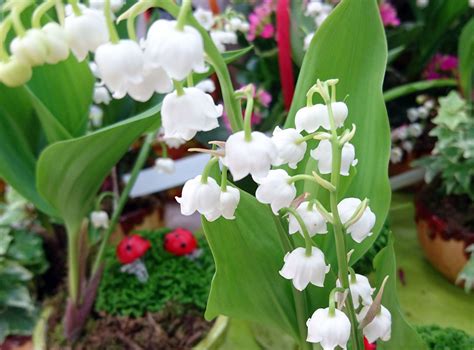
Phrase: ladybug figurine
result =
(129, 252)
(180, 242)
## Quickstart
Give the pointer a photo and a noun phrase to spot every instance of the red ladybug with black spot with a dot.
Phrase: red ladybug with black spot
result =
(180, 242)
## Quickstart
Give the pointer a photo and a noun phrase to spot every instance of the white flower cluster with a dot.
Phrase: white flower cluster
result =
(319, 10)
(222, 28)
(404, 137)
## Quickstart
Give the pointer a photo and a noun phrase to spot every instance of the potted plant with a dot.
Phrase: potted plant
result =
(445, 207)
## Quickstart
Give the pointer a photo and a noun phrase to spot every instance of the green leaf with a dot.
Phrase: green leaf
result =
(248, 254)
(466, 58)
(80, 165)
(16, 321)
(404, 335)
(350, 46)
(417, 87)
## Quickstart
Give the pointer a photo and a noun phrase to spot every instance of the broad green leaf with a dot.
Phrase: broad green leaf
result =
(404, 335)
(16, 321)
(69, 173)
(248, 254)
(466, 58)
(350, 46)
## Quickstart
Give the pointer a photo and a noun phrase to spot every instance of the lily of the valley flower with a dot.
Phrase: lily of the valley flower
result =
(206, 85)
(96, 116)
(311, 118)
(361, 291)
(380, 327)
(362, 228)
(165, 165)
(56, 43)
(86, 32)
(201, 197)
(101, 95)
(31, 48)
(204, 17)
(15, 72)
(314, 221)
(228, 202)
(323, 154)
(329, 330)
(275, 189)
(303, 269)
(254, 157)
(154, 80)
(178, 52)
(120, 65)
(221, 38)
(100, 219)
(183, 116)
(289, 149)
(115, 5)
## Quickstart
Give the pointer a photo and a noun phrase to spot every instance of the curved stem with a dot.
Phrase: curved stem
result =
(40, 11)
(332, 300)
(207, 169)
(224, 179)
(60, 11)
(141, 159)
(304, 229)
(248, 114)
(183, 13)
(179, 87)
(101, 197)
(114, 38)
(75, 7)
(132, 34)
(4, 29)
(16, 21)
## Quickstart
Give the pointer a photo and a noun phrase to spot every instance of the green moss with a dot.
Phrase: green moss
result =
(177, 280)
(438, 338)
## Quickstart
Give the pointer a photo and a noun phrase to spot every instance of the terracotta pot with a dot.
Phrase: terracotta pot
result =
(444, 249)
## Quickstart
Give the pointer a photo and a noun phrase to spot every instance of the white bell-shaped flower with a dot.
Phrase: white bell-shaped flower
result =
(275, 189)
(96, 116)
(221, 38)
(289, 149)
(362, 228)
(206, 85)
(174, 142)
(31, 48)
(323, 154)
(183, 116)
(380, 327)
(254, 157)
(115, 5)
(201, 197)
(329, 330)
(101, 95)
(56, 42)
(100, 219)
(86, 32)
(361, 291)
(178, 52)
(120, 65)
(314, 221)
(15, 72)
(229, 200)
(165, 165)
(340, 112)
(204, 17)
(154, 80)
(312, 118)
(302, 269)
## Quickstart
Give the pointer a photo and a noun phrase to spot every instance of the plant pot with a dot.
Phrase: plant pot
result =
(443, 246)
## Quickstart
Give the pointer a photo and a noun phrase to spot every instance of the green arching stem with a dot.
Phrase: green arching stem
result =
(190, 80)
(141, 159)
(131, 28)
(304, 229)
(315, 178)
(353, 275)
(298, 297)
(309, 96)
(16, 21)
(339, 237)
(248, 114)
(332, 300)
(178, 85)
(4, 29)
(224, 179)
(164, 150)
(114, 38)
(207, 169)
(183, 13)
(75, 7)
(101, 197)
(40, 11)
(60, 11)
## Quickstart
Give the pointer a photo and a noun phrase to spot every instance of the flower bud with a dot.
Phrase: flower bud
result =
(101, 95)
(56, 43)
(183, 116)
(229, 201)
(165, 165)
(329, 330)
(276, 190)
(100, 219)
(31, 48)
(289, 150)
(303, 269)
(14, 72)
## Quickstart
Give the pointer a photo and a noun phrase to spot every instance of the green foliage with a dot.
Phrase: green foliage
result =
(438, 338)
(466, 58)
(21, 258)
(453, 156)
(171, 279)
(365, 265)
(403, 336)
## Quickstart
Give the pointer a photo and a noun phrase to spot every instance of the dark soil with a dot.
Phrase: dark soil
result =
(456, 210)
